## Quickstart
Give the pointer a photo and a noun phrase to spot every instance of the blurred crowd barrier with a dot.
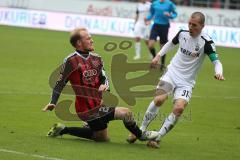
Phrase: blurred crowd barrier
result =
(111, 18)
(227, 4)
(123, 9)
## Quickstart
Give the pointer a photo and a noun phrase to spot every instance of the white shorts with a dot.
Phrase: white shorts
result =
(173, 85)
(142, 31)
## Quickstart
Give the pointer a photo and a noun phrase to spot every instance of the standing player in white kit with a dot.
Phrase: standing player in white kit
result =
(141, 30)
(179, 78)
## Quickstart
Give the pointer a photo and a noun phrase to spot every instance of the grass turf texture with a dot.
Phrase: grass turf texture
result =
(209, 130)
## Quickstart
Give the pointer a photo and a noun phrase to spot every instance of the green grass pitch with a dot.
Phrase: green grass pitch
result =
(210, 129)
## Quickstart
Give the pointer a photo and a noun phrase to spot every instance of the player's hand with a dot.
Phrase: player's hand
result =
(147, 22)
(101, 103)
(103, 87)
(219, 77)
(133, 28)
(49, 107)
(155, 61)
(167, 14)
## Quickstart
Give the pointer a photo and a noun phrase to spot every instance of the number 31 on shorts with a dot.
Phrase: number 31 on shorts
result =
(186, 93)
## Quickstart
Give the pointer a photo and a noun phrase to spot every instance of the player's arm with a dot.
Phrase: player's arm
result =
(172, 12)
(150, 14)
(170, 45)
(218, 70)
(137, 16)
(60, 84)
(210, 50)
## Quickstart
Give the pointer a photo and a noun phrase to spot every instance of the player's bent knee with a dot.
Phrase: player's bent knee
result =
(123, 113)
(151, 44)
(178, 110)
(137, 39)
(159, 100)
(128, 115)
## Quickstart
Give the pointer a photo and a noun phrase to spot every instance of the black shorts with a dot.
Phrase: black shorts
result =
(160, 30)
(102, 122)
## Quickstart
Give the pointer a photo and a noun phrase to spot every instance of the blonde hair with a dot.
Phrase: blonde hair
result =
(75, 35)
(200, 15)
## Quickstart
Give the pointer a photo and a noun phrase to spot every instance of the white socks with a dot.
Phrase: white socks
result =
(138, 49)
(168, 124)
(150, 114)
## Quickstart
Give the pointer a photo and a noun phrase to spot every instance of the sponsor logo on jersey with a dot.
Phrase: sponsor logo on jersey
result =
(90, 73)
(189, 53)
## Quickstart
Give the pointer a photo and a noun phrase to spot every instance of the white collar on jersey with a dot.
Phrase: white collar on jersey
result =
(81, 54)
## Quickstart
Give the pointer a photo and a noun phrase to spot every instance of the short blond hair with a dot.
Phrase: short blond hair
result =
(199, 15)
(75, 35)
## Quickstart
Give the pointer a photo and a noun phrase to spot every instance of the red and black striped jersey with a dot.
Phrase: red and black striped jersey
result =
(85, 73)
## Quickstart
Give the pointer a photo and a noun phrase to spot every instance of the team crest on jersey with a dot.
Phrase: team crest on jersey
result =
(184, 39)
(96, 63)
(197, 47)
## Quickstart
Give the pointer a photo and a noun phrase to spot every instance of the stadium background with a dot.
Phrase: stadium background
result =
(32, 45)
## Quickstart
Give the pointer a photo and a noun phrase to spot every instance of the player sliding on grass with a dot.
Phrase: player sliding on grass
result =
(84, 70)
(180, 75)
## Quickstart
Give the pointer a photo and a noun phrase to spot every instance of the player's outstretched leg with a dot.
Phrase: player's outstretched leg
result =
(55, 130)
(126, 115)
(150, 114)
(60, 129)
(139, 134)
(169, 122)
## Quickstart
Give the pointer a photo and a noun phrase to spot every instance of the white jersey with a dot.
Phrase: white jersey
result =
(142, 11)
(190, 55)
(141, 29)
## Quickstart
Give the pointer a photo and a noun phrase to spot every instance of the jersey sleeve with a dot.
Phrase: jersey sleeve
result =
(209, 47)
(103, 78)
(173, 11)
(151, 12)
(210, 50)
(61, 82)
(137, 11)
(175, 40)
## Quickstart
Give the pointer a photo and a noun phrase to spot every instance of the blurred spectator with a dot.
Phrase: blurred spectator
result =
(231, 4)
(217, 4)
(234, 4)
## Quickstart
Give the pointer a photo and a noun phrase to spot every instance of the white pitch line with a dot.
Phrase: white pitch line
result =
(30, 155)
